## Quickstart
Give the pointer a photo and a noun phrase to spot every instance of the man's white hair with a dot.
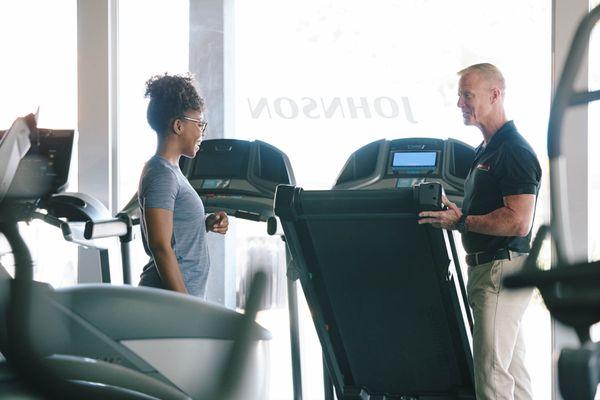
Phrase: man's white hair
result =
(487, 71)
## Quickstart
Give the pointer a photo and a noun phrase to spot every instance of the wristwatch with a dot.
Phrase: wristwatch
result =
(461, 224)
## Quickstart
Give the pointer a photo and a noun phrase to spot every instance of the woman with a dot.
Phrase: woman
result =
(174, 226)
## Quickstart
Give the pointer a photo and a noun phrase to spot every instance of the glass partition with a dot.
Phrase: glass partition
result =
(319, 79)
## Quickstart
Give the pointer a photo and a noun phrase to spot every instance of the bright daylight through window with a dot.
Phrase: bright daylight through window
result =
(144, 51)
(325, 78)
(45, 37)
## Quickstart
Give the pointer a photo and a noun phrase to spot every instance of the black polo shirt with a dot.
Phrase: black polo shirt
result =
(506, 166)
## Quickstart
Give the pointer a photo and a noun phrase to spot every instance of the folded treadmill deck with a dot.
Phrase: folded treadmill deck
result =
(382, 292)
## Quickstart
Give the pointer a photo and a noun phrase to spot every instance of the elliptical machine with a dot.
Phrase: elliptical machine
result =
(100, 341)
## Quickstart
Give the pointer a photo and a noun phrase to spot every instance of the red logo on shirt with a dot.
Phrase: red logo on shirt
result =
(483, 167)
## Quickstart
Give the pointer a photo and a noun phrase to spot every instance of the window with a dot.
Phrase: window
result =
(153, 39)
(39, 69)
(322, 79)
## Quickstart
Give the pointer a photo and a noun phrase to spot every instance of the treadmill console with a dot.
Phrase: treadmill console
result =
(238, 176)
(44, 169)
(386, 164)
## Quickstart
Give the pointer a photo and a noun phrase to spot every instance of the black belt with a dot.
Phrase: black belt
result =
(485, 257)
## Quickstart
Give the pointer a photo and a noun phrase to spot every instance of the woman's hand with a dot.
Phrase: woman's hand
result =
(217, 222)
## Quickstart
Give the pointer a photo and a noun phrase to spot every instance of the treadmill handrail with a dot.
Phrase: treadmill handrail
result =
(106, 228)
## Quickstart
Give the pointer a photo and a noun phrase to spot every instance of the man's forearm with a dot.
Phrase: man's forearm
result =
(168, 269)
(500, 222)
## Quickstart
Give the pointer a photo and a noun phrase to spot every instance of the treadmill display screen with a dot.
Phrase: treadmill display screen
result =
(215, 184)
(414, 159)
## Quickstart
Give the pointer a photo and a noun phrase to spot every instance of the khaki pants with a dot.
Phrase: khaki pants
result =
(498, 346)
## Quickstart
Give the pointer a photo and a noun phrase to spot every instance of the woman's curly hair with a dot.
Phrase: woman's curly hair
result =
(170, 96)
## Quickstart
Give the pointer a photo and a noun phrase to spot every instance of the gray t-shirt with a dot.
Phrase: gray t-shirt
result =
(162, 185)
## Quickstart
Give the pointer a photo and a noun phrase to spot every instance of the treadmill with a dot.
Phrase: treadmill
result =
(240, 177)
(386, 294)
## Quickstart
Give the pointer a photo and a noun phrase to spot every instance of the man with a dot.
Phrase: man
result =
(495, 222)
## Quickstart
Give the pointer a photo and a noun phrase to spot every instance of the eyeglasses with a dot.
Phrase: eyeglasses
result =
(201, 124)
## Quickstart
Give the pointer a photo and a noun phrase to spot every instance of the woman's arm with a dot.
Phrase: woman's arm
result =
(159, 229)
